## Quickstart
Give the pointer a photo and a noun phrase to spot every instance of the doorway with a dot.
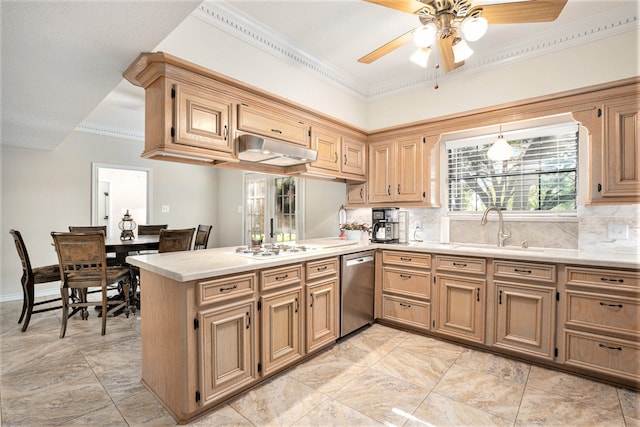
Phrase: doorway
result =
(116, 189)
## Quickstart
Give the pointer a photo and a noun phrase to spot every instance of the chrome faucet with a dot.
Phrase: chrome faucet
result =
(502, 234)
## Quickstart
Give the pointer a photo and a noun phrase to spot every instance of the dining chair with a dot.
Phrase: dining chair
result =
(31, 277)
(175, 240)
(83, 265)
(151, 229)
(202, 237)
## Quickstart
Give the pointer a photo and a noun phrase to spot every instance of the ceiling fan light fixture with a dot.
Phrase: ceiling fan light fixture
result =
(425, 35)
(473, 28)
(421, 56)
(461, 50)
(500, 150)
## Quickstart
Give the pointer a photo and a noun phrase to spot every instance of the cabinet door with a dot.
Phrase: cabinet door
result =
(621, 150)
(525, 318)
(282, 329)
(353, 156)
(409, 171)
(328, 144)
(381, 171)
(274, 123)
(201, 120)
(322, 322)
(356, 194)
(227, 349)
(461, 306)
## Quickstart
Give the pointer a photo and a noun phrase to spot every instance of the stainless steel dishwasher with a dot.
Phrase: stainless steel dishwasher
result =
(356, 291)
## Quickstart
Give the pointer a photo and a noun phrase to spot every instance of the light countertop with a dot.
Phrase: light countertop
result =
(201, 264)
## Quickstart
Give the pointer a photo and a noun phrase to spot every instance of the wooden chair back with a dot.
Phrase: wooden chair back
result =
(87, 228)
(151, 229)
(82, 259)
(176, 240)
(202, 237)
(31, 277)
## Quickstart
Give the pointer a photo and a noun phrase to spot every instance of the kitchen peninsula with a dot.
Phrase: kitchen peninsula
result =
(216, 323)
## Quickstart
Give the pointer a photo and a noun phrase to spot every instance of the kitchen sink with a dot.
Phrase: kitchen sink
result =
(471, 246)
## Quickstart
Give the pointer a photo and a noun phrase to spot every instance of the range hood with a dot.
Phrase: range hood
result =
(256, 149)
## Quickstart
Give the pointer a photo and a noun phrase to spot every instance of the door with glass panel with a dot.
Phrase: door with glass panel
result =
(271, 208)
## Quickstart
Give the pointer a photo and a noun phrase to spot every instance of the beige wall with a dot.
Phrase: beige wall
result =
(44, 191)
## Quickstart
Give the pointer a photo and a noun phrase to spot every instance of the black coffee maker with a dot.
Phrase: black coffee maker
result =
(385, 225)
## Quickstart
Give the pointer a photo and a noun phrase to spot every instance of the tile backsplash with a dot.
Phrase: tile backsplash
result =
(589, 231)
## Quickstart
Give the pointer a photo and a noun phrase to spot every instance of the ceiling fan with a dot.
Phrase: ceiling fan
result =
(451, 23)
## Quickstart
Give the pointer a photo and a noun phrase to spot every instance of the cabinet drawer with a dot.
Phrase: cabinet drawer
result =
(278, 277)
(605, 312)
(412, 283)
(521, 270)
(322, 268)
(407, 259)
(225, 288)
(273, 123)
(406, 311)
(461, 264)
(616, 279)
(603, 354)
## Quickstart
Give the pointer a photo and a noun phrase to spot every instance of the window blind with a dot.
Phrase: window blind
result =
(541, 175)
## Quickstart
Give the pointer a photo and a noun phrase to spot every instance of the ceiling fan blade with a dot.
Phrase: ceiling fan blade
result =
(386, 48)
(408, 6)
(446, 54)
(521, 12)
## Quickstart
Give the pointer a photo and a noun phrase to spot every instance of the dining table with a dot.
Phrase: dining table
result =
(122, 248)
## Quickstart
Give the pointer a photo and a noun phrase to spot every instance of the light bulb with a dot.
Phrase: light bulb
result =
(500, 150)
(421, 56)
(461, 50)
(474, 28)
(425, 36)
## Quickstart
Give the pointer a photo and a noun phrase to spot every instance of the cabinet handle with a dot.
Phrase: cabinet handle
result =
(609, 348)
(323, 268)
(248, 320)
(500, 297)
(460, 264)
(398, 188)
(611, 280)
(478, 294)
(276, 131)
(284, 276)
(403, 305)
(521, 271)
(405, 259)
(311, 305)
(361, 192)
(226, 132)
(230, 288)
(297, 305)
(336, 160)
(389, 190)
(345, 159)
(610, 305)
(405, 276)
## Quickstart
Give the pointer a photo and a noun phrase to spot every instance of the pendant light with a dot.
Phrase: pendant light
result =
(500, 150)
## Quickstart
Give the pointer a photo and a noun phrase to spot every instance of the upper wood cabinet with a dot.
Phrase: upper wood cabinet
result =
(340, 154)
(271, 122)
(395, 170)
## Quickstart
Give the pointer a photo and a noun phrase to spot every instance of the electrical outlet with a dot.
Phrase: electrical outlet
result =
(618, 231)
(165, 209)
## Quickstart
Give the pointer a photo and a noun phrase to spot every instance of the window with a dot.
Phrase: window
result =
(541, 175)
(271, 208)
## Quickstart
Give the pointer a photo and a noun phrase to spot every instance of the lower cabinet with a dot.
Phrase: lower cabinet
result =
(322, 321)
(282, 329)
(227, 349)
(461, 297)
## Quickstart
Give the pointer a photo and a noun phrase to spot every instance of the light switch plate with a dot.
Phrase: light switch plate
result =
(165, 209)
(618, 231)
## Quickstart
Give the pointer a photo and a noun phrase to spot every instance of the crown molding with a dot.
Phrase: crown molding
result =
(98, 129)
(229, 20)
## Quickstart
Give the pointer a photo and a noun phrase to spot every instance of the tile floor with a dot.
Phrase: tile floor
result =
(381, 376)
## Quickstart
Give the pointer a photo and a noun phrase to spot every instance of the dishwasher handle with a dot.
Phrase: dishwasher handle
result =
(360, 260)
